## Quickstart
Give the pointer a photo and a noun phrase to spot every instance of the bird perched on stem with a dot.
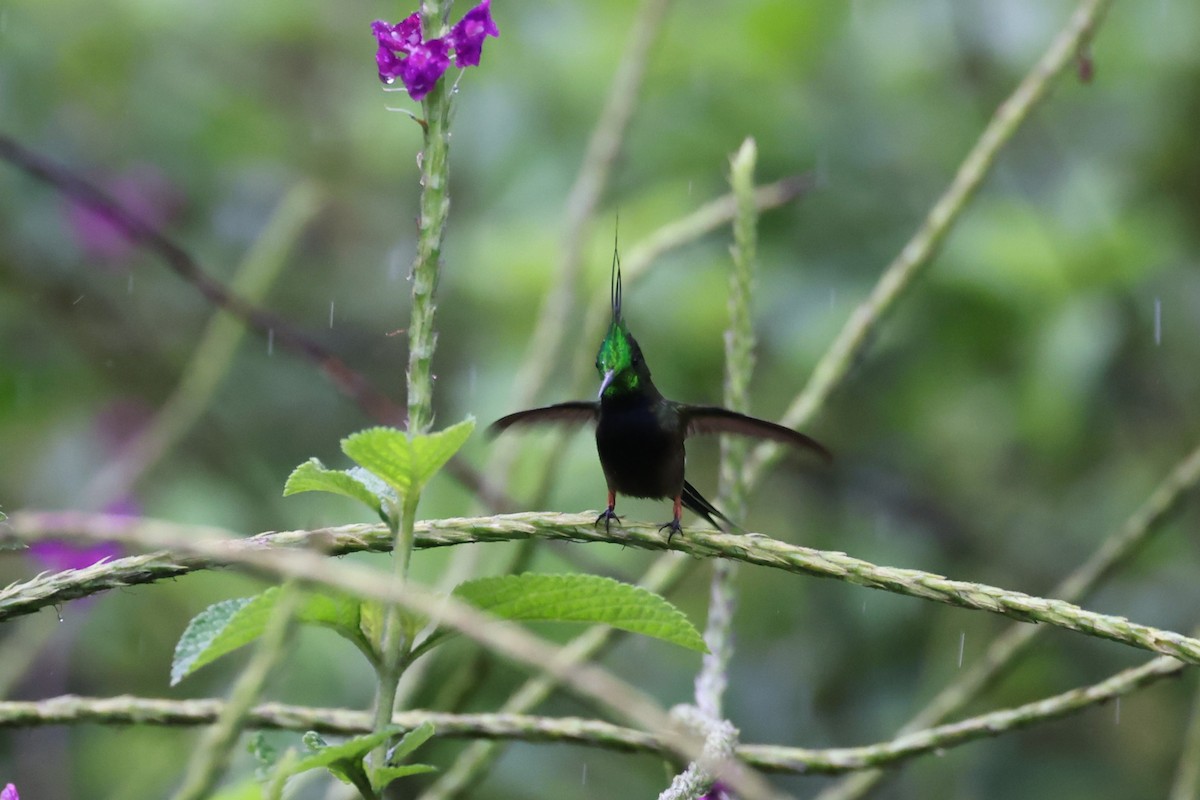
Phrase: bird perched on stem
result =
(640, 434)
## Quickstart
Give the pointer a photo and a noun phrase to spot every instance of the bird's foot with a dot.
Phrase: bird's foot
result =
(608, 516)
(673, 527)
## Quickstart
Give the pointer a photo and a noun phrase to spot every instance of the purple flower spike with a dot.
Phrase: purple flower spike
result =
(9, 793)
(403, 36)
(404, 53)
(468, 35)
(421, 70)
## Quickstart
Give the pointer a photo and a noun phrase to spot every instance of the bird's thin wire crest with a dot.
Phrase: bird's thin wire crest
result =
(615, 289)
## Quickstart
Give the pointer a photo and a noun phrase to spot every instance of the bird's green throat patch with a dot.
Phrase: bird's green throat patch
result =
(614, 362)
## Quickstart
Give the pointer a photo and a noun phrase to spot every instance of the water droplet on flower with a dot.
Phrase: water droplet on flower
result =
(389, 81)
(420, 159)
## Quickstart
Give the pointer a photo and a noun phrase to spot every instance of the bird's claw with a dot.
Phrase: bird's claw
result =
(674, 527)
(608, 515)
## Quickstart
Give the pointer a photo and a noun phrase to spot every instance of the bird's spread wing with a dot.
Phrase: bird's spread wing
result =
(714, 419)
(573, 414)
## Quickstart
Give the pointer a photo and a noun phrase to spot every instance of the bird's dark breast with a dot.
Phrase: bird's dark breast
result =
(641, 456)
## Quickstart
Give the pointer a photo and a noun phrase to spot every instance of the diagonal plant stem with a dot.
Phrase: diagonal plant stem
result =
(211, 758)
(209, 547)
(847, 348)
(506, 639)
(349, 382)
(505, 726)
(545, 346)
(664, 574)
(211, 360)
(1005, 649)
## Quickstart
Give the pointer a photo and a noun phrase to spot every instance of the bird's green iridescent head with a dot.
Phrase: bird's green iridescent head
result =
(619, 361)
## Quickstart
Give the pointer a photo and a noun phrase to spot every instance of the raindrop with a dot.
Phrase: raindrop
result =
(389, 81)
(420, 159)
(433, 377)
(1117, 712)
(962, 641)
(58, 612)
(1158, 320)
(331, 314)
(832, 297)
(129, 285)
(864, 608)
(583, 782)
(270, 341)
(77, 299)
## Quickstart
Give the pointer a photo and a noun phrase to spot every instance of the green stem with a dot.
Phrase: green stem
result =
(422, 340)
(431, 223)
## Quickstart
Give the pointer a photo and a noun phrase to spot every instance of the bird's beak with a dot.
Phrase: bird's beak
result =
(608, 378)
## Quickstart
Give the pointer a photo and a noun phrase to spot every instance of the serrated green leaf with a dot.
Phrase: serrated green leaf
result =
(582, 598)
(224, 627)
(312, 476)
(406, 462)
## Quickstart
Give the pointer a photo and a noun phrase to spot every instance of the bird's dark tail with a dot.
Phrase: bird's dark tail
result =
(694, 501)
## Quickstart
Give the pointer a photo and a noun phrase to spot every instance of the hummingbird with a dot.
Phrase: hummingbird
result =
(640, 434)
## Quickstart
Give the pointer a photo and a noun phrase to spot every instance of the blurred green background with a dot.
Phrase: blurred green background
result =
(1025, 397)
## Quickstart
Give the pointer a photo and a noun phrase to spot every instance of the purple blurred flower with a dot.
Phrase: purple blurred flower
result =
(9, 793)
(144, 192)
(57, 556)
(404, 53)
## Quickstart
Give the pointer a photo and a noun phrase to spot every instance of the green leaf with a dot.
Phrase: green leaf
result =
(224, 627)
(339, 757)
(312, 476)
(385, 775)
(373, 615)
(582, 598)
(406, 462)
(411, 741)
(405, 747)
